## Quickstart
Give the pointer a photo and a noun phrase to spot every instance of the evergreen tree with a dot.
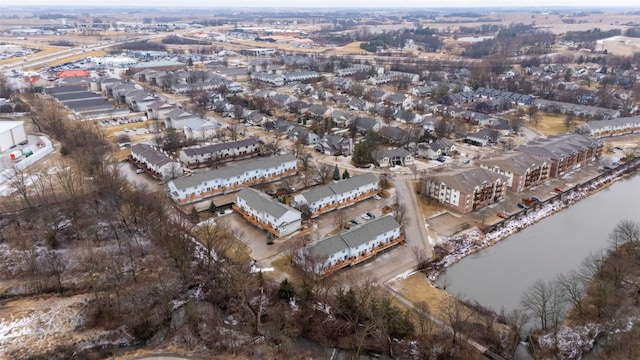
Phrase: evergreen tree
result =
(336, 173)
(345, 174)
(286, 290)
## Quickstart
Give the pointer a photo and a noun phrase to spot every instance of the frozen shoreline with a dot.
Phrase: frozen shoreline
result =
(472, 240)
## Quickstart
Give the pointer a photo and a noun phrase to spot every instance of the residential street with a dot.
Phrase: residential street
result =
(399, 259)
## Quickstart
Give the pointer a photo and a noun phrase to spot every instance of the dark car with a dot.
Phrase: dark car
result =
(442, 159)
(522, 206)
(355, 221)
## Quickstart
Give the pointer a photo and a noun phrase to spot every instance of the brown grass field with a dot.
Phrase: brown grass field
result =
(48, 50)
(550, 124)
(72, 57)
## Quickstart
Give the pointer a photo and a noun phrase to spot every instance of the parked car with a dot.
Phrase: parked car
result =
(366, 216)
(522, 206)
(441, 159)
(355, 221)
(377, 197)
(371, 215)
(503, 215)
(557, 189)
(139, 171)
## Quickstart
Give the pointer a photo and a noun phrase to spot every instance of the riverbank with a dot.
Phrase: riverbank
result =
(473, 240)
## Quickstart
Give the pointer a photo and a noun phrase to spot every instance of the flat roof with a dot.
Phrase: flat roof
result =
(76, 96)
(8, 125)
(90, 103)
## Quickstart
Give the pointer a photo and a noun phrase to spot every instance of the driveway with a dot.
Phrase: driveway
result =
(401, 258)
(415, 226)
(129, 171)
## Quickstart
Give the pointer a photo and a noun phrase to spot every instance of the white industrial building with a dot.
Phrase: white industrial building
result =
(11, 134)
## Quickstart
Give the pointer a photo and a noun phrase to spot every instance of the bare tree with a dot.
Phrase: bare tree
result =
(423, 318)
(573, 289)
(19, 181)
(456, 316)
(272, 147)
(421, 256)
(534, 116)
(399, 210)
(517, 319)
(626, 231)
(325, 171)
(539, 299)
(569, 121)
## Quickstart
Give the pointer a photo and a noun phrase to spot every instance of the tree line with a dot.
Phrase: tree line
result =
(603, 290)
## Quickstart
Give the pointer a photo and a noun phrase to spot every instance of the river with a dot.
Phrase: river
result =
(497, 277)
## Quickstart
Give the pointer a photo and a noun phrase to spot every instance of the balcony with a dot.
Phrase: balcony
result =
(354, 260)
(343, 203)
(255, 221)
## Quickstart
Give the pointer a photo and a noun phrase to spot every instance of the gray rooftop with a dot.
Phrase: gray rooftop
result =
(151, 155)
(353, 238)
(466, 180)
(214, 148)
(594, 125)
(339, 187)
(231, 171)
(517, 162)
(559, 146)
(264, 203)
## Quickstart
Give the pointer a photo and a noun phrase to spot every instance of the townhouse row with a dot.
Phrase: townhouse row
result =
(339, 194)
(200, 186)
(350, 247)
(266, 212)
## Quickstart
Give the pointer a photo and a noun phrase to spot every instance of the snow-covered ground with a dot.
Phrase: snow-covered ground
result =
(39, 326)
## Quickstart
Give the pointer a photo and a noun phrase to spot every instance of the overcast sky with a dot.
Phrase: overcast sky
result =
(329, 3)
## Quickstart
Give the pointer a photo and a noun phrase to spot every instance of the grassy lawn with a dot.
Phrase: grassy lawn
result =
(550, 124)
(429, 208)
(416, 289)
(73, 57)
(45, 51)
(351, 48)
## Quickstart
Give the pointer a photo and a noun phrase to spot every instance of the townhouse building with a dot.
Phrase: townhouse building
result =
(352, 70)
(338, 194)
(266, 212)
(300, 76)
(522, 170)
(613, 127)
(269, 79)
(565, 152)
(350, 247)
(466, 190)
(200, 186)
(200, 129)
(154, 162)
(393, 157)
(197, 156)
(177, 118)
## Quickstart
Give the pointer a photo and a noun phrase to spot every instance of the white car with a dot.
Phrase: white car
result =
(366, 217)
(377, 197)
